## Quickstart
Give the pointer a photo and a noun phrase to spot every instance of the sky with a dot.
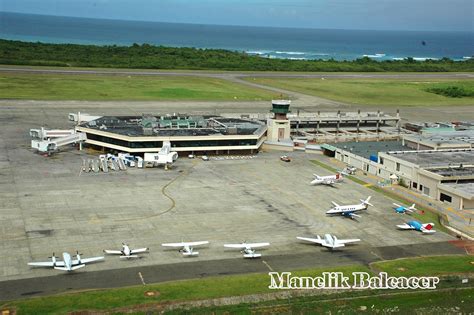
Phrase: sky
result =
(433, 15)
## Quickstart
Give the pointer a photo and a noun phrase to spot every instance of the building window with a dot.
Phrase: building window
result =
(398, 167)
(381, 160)
(421, 187)
(426, 191)
(444, 197)
(414, 185)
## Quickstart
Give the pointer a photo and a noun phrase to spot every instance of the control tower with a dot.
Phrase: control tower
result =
(279, 125)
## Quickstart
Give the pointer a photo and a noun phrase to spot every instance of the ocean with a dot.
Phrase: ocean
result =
(268, 42)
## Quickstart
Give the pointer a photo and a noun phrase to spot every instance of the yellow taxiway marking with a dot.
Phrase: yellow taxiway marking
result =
(141, 278)
(268, 266)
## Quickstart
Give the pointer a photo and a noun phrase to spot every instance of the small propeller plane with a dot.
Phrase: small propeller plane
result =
(348, 211)
(402, 209)
(186, 247)
(327, 180)
(248, 248)
(330, 241)
(126, 252)
(426, 228)
(67, 264)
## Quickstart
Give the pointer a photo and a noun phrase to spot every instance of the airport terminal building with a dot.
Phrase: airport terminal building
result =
(187, 134)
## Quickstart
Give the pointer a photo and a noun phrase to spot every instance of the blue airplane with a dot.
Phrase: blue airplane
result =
(426, 228)
(402, 209)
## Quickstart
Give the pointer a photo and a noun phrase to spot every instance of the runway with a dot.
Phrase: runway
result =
(229, 75)
(60, 282)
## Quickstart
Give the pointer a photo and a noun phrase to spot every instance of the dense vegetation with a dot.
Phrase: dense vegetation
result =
(159, 57)
(452, 91)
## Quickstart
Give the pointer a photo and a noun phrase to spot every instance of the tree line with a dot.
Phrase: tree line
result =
(147, 56)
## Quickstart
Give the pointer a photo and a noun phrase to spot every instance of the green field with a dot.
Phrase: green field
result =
(434, 266)
(452, 301)
(215, 287)
(380, 92)
(137, 88)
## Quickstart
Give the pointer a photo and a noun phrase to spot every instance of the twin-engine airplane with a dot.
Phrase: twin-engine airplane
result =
(126, 252)
(348, 211)
(330, 241)
(402, 209)
(248, 248)
(426, 228)
(327, 180)
(67, 264)
(186, 247)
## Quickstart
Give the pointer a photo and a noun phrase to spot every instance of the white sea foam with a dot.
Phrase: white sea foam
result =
(375, 56)
(256, 52)
(424, 58)
(290, 52)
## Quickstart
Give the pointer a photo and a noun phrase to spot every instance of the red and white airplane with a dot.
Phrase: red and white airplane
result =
(327, 180)
(426, 228)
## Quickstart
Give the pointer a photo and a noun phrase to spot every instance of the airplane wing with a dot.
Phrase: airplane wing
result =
(87, 260)
(335, 204)
(113, 252)
(72, 268)
(256, 245)
(338, 241)
(46, 263)
(139, 250)
(405, 226)
(329, 182)
(397, 205)
(312, 240)
(235, 245)
(428, 228)
(182, 244)
(245, 245)
(353, 215)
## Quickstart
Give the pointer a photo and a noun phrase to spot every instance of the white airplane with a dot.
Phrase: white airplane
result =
(248, 248)
(329, 241)
(415, 225)
(402, 209)
(126, 252)
(186, 247)
(327, 180)
(67, 264)
(348, 211)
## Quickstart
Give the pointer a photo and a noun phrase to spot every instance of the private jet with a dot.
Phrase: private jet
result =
(327, 180)
(67, 264)
(402, 209)
(330, 241)
(126, 252)
(426, 228)
(248, 248)
(186, 247)
(348, 211)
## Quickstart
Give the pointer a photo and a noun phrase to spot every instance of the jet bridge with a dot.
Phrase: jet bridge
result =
(51, 145)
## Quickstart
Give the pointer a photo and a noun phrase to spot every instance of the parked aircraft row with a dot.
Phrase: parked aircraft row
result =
(186, 248)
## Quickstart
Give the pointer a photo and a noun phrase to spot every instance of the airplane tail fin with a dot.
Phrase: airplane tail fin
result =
(366, 201)
(412, 207)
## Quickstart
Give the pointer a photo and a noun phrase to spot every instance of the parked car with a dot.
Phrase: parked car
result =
(285, 158)
(205, 158)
